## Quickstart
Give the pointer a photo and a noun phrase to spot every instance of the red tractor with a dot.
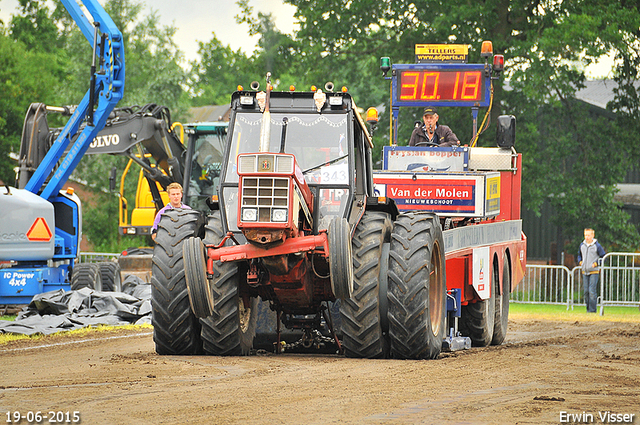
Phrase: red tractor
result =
(295, 223)
(398, 257)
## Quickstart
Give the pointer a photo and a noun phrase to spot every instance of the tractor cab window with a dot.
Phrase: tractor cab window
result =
(206, 164)
(319, 143)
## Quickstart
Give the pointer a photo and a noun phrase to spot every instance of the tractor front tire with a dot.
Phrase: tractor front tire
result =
(340, 258)
(231, 328)
(362, 331)
(176, 330)
(417, 287)
(195, 272)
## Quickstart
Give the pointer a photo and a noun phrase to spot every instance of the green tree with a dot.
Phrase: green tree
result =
(219, 71)
(36, 26)
(275, 52)
(25, 76)
(30, 69)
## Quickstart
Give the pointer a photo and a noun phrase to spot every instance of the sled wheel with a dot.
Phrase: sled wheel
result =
(501, 322)
(477, 319)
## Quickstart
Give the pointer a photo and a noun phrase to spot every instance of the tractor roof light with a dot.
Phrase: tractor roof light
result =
(487, 49)
(498, 63)
(292, 88)
(372, 116)
(344, 89)
(239, 88)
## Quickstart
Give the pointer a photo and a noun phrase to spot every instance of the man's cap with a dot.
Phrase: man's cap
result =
(430, 110)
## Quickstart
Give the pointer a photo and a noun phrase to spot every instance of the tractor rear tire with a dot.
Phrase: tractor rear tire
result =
(501, 322)
(417, 290)
(231, 328)
(86, 275)
(478, 319)
(195, 273)
(176, 330)
(362, 331)
(111, 276)
(340, 258)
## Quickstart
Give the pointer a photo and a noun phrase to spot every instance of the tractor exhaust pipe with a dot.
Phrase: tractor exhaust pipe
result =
(265, 130)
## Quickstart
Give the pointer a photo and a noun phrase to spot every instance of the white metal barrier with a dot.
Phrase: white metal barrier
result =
(96, 257)
(552, 284)
(544, 284)
(620, 280)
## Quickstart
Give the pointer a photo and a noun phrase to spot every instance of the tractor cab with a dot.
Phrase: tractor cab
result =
(314, 145)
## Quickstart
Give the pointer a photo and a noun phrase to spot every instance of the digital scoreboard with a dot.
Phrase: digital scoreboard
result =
(443, 85)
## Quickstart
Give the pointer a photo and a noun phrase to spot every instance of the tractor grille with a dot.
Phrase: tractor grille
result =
(265, 163)
(265, 199)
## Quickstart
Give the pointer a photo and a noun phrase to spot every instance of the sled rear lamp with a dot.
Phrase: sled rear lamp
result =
(279, 216)
(249, 214)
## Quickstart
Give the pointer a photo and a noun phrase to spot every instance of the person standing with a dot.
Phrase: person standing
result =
(174, 190)
(590, 259)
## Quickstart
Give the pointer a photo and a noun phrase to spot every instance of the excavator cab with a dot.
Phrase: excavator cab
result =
(205, 150)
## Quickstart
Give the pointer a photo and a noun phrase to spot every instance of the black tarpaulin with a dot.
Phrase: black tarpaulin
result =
(58, 311)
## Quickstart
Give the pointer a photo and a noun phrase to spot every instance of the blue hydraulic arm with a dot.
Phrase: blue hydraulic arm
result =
(107, 86)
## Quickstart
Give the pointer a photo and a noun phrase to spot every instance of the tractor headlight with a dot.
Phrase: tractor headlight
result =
(249, 214)
(279, 216)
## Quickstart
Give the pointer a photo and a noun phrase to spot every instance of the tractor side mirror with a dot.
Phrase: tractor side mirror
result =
(112, 179)
(506, 131)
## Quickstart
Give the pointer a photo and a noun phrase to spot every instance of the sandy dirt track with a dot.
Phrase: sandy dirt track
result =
(543, 369)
